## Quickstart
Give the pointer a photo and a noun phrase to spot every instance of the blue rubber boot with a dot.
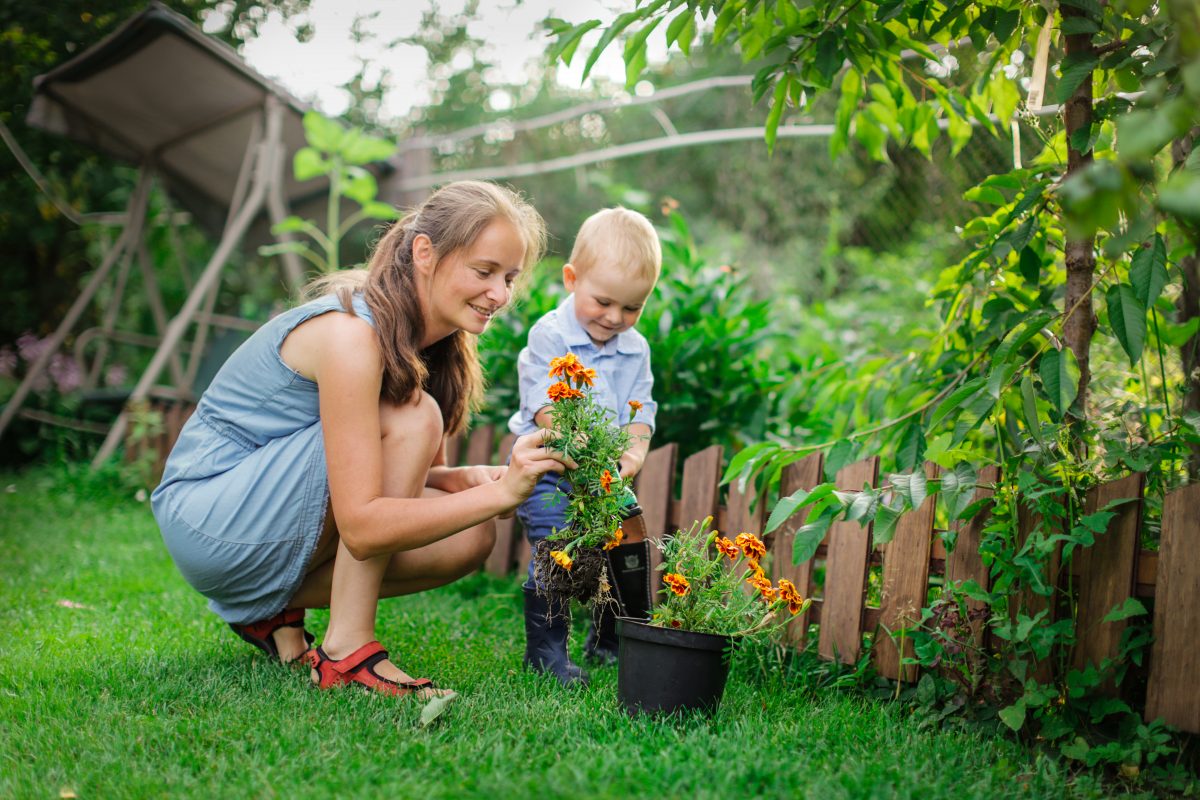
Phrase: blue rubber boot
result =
(546, 639)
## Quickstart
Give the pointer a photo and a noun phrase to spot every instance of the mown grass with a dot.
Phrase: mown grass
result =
(143, 692)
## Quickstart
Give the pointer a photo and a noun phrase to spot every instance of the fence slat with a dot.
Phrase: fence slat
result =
(1108, 570)
(654, 486)
(740, 516)
(964, 563)
(804, 474)
(701, 479)
(501, 559)
(1174, 693)
(846, 574)
(905, 584)
(479, 445)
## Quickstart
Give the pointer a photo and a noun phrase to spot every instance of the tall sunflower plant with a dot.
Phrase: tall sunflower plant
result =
(571, 562)
(717, 585)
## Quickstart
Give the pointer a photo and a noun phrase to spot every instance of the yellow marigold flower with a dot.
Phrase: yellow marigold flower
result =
(727, 548)
(565, 366)
(751, 545)
(562, 558)
(585, 375)
(617, 536)
(678, 584)
(606, 479)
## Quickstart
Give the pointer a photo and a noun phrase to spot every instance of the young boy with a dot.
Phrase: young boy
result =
(613, 268)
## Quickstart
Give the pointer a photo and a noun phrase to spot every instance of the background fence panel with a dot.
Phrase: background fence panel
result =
(846, 574)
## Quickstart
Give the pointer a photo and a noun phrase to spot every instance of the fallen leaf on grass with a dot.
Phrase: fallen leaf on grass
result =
(73, 604)
(436, 707)
(67, 793)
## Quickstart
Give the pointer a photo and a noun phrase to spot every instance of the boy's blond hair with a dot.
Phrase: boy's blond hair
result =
(621, 237)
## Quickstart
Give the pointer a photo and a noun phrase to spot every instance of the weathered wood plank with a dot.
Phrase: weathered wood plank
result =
(964, 562)
(740, 517)
(501, 559)
(846, 574)
(905, 584)
(654, 486)
(804, 474)
(1108, 571)
(479, 445)
(1174, 693)
(701, 481)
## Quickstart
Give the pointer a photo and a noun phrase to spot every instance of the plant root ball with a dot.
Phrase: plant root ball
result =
(586, 581)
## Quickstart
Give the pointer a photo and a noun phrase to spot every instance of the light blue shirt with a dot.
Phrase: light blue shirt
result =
(622, 367)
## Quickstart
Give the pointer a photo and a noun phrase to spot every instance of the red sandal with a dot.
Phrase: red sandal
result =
(260, 633)
(359, 668)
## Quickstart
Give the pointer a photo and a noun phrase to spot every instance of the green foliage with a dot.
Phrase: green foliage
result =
(703, 593)
(338, 155)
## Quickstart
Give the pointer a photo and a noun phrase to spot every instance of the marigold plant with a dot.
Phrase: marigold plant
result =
(714, 585)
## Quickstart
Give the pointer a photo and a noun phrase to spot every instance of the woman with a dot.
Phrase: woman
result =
(311, 472)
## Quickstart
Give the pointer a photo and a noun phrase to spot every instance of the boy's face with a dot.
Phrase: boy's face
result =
(608, 300)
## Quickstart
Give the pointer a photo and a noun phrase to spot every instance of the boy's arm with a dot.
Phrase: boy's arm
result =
(642, 413)
(533, 371)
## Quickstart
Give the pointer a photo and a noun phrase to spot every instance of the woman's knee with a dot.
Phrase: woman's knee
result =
(413, 422)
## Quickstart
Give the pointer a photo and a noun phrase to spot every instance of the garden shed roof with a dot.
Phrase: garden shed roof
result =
(159, 91)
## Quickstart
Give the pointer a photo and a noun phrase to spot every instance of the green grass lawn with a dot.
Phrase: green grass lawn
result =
(115, 681)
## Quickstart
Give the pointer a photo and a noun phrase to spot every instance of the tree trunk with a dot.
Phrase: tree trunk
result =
(1188, 307)
(1080, 323)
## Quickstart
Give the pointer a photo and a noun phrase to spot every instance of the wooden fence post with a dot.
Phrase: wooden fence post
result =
(654, 486)
(846, 574)
(905, 585)
(1175, 659)
(804, 474)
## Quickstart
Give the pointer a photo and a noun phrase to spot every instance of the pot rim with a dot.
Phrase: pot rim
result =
(641, 630)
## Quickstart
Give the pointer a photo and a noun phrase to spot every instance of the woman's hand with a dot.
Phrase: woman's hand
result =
(459, 479)
(529, 462)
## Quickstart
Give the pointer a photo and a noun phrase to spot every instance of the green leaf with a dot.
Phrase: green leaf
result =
(778, 103)
(956, 399)
(279, 248)
(1030, 265)
(850, 94)
(884, 527)
(619, 24)
(828, 59)
(839, 455)
(1128, 319)
(436, 707)
(1142, 133)
(1177, 335)
(358, 148)
(1132, 607)
(322, 132)
(378, 210)
(1074, 25)
(1076, 68)
(292, 224)
(567, 44)
(1060, 377)
(359, 186)
(678, 24)
(1180, 195)
(912, 446)
(1107, 706)
(308, 163)
(635, 52)
(1029, 409)
(1148, 272)
(958, 489)
(1014, 716)
(918, 488)
(808, 539)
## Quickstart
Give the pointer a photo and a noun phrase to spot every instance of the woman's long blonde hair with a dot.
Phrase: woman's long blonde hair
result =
(452, 218)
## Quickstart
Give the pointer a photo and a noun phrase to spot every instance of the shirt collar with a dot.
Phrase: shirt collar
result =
(574, 334)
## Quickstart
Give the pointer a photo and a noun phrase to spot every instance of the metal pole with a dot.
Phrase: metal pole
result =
(135, 210)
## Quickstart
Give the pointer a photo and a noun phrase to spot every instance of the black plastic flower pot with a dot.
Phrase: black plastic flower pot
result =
(664, 670)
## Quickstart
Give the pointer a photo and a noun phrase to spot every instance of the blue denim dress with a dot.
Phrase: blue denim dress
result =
(243, 496)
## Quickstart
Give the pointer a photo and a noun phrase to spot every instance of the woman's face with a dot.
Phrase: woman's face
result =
(469, 286)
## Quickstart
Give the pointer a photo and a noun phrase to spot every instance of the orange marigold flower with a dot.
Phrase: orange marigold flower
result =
(585, 375)
(751, 545)
(679, 584)
(606, 479)
(565, 366)
(727, 548)
(789, 594)
(617, 536)
(635, 405)
(558, 391)
(763, 584)
(562, 558)
(795, 606)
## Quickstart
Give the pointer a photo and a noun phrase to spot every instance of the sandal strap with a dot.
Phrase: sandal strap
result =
(354, 661)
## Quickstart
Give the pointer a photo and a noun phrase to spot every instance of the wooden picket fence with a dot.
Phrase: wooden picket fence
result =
(1104, 575)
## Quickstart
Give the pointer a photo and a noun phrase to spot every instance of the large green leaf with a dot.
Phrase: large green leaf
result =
(808, 539)
(322, 132)
(912, 446)
(1060, 377)
(308, 164)
(1029, 408)
(1075, 68)
(1128, 319)
(1148, 272)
